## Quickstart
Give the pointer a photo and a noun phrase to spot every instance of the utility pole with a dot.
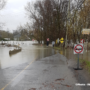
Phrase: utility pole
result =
(68, 15)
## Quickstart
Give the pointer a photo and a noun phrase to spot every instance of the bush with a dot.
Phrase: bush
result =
(85, 64)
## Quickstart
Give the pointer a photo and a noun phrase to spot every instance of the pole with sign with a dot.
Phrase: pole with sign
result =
(62, 40)
(78, 49)
(82, 41)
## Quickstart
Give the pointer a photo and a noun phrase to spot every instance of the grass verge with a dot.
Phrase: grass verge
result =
(85, 64)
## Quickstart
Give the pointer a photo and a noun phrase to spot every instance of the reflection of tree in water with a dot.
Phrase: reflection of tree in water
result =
(68, 53)
(61, 52)
(53, 52)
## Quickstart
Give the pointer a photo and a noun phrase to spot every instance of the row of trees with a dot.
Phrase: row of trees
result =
(6, 34)
(57, 18)
(80, 20)
(25, 32)
(3, 34)
(48, 19)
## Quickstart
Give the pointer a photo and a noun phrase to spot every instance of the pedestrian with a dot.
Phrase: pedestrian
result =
(47, 41)
(58, 41)
(53, 43)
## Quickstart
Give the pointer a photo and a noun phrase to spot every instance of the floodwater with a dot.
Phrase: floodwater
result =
(69, 53)
(32, 52)
(29, 52)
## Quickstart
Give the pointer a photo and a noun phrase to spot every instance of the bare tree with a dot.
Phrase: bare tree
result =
(50, 17)
(2, 5)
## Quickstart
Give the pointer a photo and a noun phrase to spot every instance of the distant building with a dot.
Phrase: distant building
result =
(17, 37)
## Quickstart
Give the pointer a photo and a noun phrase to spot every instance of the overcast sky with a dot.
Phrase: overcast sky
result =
(13, 14)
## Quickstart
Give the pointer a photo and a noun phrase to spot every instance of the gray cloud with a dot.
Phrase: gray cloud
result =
(14, 14)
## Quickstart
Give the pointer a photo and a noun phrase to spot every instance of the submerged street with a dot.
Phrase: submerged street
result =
(39, 68)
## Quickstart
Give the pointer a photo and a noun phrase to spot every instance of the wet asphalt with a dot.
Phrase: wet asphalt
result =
(53, 72)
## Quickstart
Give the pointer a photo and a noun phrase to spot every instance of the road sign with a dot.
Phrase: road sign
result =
(62, 40)
(78, 49)
(82, 41)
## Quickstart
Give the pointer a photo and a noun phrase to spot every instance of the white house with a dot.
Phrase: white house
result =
(17, 37)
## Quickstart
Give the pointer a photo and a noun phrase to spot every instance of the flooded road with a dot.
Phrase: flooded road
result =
(32, 52)
(29, 52)
(69, 53)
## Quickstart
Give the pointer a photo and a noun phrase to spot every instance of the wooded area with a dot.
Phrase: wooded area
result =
(59, 18)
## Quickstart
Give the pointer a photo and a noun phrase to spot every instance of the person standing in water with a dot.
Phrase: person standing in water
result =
(53, 43)
(47, 41)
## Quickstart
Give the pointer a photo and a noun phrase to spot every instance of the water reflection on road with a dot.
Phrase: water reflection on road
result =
(29, 52)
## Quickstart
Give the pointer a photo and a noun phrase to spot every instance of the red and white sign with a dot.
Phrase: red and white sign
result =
(78, 49)
(82, 41)
(47, 39)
